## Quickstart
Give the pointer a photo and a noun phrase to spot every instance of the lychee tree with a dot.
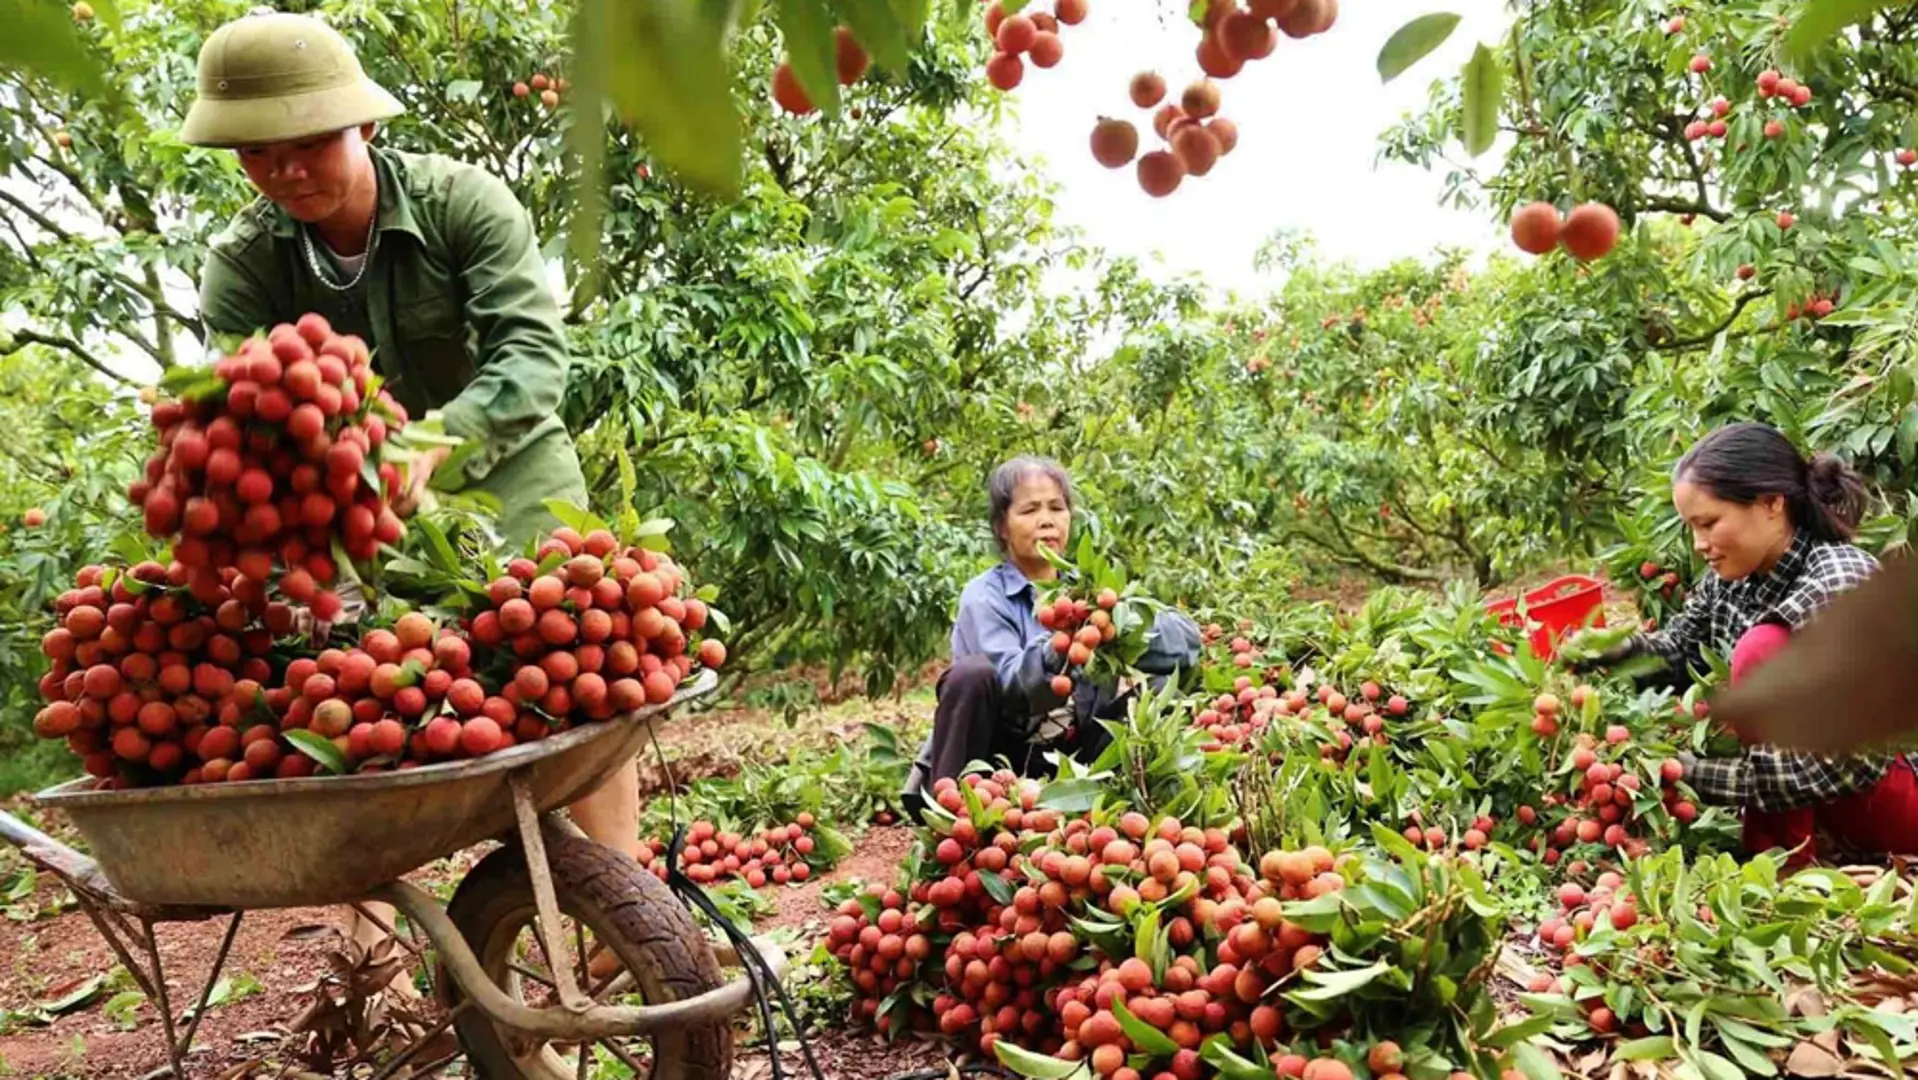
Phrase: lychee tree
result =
(1761, 170)
(66, 455)
(754, 369)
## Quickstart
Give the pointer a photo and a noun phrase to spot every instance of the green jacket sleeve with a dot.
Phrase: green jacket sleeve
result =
(232, 299)
(520, 349)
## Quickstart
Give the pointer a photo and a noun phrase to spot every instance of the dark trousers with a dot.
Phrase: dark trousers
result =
(973, 722)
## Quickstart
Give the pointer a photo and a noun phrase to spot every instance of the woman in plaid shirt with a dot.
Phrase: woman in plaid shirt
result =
(1775, 529)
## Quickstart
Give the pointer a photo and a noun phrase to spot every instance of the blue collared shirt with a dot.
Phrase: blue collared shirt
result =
(996, 621)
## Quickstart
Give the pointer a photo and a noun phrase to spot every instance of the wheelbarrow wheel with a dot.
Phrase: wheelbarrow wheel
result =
(612, 904)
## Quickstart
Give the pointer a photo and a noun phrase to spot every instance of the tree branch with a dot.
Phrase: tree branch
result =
(43, 222)
(1680, 344)
(26, 249)
(1670, 205)
(150, 290)
(1353, 556)
(34, 337)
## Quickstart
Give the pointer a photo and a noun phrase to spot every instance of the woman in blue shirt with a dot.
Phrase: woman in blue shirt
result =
(996, 699)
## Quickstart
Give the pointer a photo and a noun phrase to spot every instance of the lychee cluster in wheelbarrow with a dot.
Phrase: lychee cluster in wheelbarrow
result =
(190, 671)
(142, 665)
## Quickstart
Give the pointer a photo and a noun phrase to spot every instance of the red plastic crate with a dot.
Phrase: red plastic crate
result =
(1554, 609)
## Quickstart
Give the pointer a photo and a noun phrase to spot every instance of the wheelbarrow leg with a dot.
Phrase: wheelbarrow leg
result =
(206, 988)
(180, 1044)
(534, 843)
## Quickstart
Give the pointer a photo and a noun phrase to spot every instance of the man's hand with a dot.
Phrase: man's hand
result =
(419, 473)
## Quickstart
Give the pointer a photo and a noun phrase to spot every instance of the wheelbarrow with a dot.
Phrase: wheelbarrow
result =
(513, 944)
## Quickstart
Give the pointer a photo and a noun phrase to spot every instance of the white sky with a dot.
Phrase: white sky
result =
(1309, 117)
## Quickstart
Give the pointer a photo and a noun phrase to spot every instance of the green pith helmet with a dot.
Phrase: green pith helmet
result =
(271, 77)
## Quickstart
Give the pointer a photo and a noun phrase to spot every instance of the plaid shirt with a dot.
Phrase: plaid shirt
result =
(1717, 613)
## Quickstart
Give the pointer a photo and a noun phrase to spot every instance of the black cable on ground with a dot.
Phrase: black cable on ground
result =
(757, 970)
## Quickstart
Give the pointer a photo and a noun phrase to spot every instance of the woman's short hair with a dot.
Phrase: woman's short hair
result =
(1005, 480)
(1742, 463)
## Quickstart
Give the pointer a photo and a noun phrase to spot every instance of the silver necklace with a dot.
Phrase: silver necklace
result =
(325, 278)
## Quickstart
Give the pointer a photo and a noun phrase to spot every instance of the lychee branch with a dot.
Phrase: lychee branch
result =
(1707, 337)
(1669, 205)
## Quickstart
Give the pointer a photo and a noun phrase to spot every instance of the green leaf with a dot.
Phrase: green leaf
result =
(120, 1008)
(998, 888)
(1217, 1052)
(1748, 1057)
(654, 527)
(1075, 796)
(319, 748)
(370, 473)
(881, 32)
(437, 546)
(1336, 984)
(1144, 1036)
(343, 562)
(43, 39)
(450, 474)
(1511, 1034)
(1818, 21)
(1535, 1063)
(1318, 915)
(1035, 1065)
(1880, 1040)
(1484, 90)
(129, 548)
(1654, 1048)
(663, 66)
(912, 16)
(221, 993)
(1146, 943)
(1410, 43)
(1715, 1067)
(576, 518)
(807, 26)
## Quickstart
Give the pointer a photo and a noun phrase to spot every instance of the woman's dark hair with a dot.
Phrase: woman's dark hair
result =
(1742, 463)
(1005, 479)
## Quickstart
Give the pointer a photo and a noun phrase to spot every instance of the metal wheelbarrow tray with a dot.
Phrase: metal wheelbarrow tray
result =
(165, 854)
(332, 839)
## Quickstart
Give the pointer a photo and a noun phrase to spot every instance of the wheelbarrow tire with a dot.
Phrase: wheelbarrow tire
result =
(629, 911)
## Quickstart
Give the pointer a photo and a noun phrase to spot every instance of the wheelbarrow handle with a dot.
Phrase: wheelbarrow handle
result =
(50, 854)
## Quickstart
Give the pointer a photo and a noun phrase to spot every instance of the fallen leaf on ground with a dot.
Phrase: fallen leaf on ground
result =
(1810, 1059)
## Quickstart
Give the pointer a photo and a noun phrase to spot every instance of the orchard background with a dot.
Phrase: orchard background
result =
(812, 378)
(810, 356)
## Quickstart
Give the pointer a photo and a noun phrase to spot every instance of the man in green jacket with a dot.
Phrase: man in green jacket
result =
(432, 261)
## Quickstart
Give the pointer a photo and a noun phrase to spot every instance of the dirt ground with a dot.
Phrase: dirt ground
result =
(69, 1012)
